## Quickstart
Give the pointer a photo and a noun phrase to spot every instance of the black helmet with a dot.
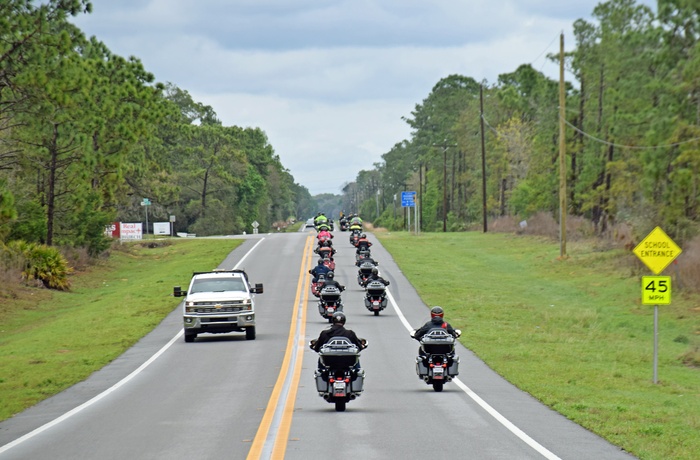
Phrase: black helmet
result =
(363, 236)
(374, 270)
(339, 318)
(437, 311)
(330, 275)
(320, 261)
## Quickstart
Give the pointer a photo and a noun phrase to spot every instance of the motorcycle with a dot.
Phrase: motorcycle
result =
(316, 287)
(362, 252)
(343, 224)
(325, 252)
(364, 272)
(338, 380)
(329, 302)
(375, 298)
(437, 362)
(325, 239)
(328, 262)
(355, 237)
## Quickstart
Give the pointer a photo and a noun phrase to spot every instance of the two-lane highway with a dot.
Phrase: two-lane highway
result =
(225, 397)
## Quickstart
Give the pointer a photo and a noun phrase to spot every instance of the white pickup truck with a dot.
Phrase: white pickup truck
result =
(219, 301)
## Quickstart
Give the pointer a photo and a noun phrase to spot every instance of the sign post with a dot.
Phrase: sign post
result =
(408, 200)
(255, 225)
(657, 250)
(146, 203)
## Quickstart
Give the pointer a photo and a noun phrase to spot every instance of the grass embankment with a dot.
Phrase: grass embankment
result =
(52, 340)
(572, 332)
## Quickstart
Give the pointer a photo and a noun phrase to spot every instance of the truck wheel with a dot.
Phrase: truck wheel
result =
(190, 337)
(250, 333)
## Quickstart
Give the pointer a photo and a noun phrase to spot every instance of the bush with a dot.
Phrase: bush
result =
(40, 262)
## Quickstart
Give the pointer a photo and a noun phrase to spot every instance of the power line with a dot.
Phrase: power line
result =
(633, 147)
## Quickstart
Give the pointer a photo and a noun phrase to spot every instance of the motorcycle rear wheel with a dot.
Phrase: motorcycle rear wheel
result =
(437, 386)
(340, 406)
(376, 312)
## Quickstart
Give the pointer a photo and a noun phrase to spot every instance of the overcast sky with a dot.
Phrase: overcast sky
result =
(329, 80)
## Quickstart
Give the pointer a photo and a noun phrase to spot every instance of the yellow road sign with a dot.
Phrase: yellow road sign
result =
(656, 290)
(657, 250)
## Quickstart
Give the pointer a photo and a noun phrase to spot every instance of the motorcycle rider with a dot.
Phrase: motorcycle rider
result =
(375, 277)
(365, 258)
(337, 329)
(329, 281)
(437, 321)
(318, 270)
(325, 249)
(320, 219)
(324, 235)
(363, 243)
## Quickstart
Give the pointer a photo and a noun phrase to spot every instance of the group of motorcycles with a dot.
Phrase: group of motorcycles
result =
(337, 379)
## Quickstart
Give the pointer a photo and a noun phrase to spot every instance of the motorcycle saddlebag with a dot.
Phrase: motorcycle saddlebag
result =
(357, 385)
(421, 368)
(321, 384)
(453, 370)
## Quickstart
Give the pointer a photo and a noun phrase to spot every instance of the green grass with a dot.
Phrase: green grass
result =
(571, 332)
(52, 340)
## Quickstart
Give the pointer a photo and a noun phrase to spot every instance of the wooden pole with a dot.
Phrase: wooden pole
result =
(483, 160)
(562, 151)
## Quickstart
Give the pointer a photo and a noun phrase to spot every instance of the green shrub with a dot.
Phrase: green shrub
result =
(40, 262)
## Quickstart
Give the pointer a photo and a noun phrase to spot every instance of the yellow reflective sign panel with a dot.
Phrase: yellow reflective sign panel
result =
(657, 250)
(656, 290)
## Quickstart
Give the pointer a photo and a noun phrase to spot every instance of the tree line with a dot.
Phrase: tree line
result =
(632, 134)
(86, 134)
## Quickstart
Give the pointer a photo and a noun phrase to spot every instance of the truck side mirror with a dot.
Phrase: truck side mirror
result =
(177, 292)
(258, 289)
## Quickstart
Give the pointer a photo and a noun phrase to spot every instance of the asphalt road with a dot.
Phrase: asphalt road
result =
(225, 397)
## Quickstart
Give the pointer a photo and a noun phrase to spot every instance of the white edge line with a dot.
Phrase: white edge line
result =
(493, 412)
(114, 387)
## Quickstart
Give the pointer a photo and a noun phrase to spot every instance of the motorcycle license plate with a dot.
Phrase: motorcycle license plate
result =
(339, 389)
(331, 309)
(375, 303)
(438, 373)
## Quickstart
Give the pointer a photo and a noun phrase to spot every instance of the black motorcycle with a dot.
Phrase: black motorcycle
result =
(437, 362)
(338, 380)
(375, 298)
(329, 302)
(364, 272)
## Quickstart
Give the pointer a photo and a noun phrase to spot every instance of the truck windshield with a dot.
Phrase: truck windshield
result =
(211, 285)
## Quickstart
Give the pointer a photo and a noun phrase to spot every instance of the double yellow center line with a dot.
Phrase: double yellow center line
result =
(271, 442)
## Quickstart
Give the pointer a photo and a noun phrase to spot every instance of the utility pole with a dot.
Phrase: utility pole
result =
(444, 146)
(483, 159)
(562, 151)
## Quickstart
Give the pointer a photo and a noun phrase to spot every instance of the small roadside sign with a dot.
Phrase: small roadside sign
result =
(657, 250)
(656, 290)
(408, 199)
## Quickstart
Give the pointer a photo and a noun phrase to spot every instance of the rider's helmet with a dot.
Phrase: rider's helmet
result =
(375, 271)
(437, 312)
(339, 318)
(320, 261)
(363, 235)
(330, 275)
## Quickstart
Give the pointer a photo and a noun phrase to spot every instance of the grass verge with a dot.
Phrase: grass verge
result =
(571, 332)
(51, 340)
